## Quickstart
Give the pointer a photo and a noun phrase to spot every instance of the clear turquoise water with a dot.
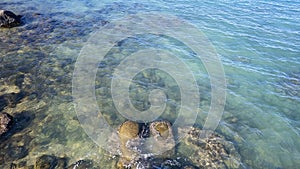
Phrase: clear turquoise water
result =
(257, 41)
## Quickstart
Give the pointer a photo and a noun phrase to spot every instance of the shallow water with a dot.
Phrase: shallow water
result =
(258, 43)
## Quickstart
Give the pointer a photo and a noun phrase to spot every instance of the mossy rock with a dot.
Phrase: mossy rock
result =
(128, 130)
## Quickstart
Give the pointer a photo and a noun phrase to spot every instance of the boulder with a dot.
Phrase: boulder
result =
(161, 142)
(6, 121)
(128, 131)
(8, 19)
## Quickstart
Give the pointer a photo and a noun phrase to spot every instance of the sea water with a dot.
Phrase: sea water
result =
(258, 43)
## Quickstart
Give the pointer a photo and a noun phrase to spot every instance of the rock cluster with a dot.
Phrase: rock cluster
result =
(152, 146)
(53, 162)
(141, 142)
(207, 149)
(8, 19)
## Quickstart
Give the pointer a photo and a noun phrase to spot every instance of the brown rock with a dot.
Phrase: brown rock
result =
(129, 130)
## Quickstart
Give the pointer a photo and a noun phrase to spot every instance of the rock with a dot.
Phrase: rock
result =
(160, 163)
(10, 95)
(188, 167)
(6, 121)
(8, 19)
(146, 145)
(82, 164)
(207, 149)
(17, 152)
(21, 165)
(61, 163)
(46, 162)
(43, 162)
(9, 89)
(127, 131)
(50, 162)
(14, 147)
(161, 142)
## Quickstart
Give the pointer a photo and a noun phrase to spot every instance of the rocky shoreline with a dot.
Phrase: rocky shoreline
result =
(137, 150)
(32, 76)
(212, 151)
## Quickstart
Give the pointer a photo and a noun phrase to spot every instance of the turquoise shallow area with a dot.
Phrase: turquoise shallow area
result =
(258, 43)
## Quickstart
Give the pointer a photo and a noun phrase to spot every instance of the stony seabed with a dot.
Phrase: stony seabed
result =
(35, 76)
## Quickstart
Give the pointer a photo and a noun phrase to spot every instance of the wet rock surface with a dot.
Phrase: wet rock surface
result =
(8, 19)
(6, 121)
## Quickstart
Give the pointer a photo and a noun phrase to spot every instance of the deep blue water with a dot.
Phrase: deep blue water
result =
(258, 43)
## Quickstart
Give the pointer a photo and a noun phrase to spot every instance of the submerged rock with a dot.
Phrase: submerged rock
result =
(9, 89)
(146, 145)
(82, 164)
(127, 131)
(207, 149)
(8, 19)
(162, 141)
(50, 162)
(46, 162)
(5, 122)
